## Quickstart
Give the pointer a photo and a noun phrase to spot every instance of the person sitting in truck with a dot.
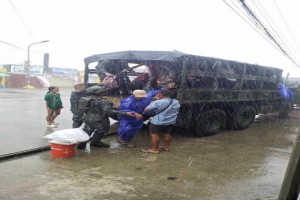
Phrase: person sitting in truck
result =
(171, 86)
(109, 81)
(109, 85)
(139, 82)
(148, 87)
(114, 77)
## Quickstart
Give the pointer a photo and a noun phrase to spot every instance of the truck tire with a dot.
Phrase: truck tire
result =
(243, 117)
(210, 122)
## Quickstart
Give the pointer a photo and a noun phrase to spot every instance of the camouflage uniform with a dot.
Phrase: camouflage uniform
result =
(96, 119)
(74, 99)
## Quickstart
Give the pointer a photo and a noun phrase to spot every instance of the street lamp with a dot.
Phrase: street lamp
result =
(27, 64)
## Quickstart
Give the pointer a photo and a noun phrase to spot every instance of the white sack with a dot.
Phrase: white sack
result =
(74, 135)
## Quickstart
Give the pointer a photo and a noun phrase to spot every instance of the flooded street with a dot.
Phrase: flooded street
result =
(23, 119)
(248, 164)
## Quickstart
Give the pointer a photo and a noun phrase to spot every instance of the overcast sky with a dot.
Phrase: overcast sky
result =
(80, 28)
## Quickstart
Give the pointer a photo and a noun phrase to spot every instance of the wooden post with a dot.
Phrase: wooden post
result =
(86, 74)
(291, 183)
(183, 81)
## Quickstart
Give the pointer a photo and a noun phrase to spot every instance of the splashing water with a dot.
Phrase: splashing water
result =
(88, 147)
(115, 145)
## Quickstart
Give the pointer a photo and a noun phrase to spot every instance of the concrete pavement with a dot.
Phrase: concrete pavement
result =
(248, 164)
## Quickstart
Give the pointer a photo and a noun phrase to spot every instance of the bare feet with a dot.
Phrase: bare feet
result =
(150, 151)
(165, 149)
(125, 143)
(120, 141)
(130, 145)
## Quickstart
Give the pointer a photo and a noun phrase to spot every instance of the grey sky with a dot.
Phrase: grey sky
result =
(79, 28)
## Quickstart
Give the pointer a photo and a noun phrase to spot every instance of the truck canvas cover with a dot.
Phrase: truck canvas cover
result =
(170, 56)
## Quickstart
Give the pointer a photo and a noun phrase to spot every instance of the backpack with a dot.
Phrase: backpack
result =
(84, 104)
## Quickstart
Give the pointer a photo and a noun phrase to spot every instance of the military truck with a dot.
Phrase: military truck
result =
(214, 93)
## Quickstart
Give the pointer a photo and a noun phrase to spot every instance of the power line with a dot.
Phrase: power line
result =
(271, 24)
(259, 23)
(239, 13)
(23, 22)
(23, 49)
(251, 25)
(263, 30)
(286, 24)
(267, 32)
(13, 45)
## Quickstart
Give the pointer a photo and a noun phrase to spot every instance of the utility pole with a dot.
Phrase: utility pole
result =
(290, 188)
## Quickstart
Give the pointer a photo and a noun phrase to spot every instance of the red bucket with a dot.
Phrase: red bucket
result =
(59, 150)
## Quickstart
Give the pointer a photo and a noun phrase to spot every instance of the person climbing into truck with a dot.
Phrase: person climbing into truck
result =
(80, 91)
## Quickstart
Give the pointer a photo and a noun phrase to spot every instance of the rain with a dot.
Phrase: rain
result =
(234, 132)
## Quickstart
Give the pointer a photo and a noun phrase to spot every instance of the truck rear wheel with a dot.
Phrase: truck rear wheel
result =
(243, 117)
(210, 122)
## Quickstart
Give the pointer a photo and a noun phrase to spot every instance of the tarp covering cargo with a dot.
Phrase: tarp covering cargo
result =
(170, 56)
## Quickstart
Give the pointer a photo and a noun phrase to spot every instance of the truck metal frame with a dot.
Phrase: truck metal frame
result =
(214, 93)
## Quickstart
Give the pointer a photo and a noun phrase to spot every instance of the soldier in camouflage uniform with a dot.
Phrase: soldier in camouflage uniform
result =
(96, 118)
(74, 99)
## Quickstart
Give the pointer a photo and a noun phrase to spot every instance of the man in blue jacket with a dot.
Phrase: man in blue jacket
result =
(130, 126)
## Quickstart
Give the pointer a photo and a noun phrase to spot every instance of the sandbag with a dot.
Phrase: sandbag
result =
(73, 136)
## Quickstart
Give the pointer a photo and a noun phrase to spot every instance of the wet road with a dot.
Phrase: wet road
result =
(247, 164)
(23, 119)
